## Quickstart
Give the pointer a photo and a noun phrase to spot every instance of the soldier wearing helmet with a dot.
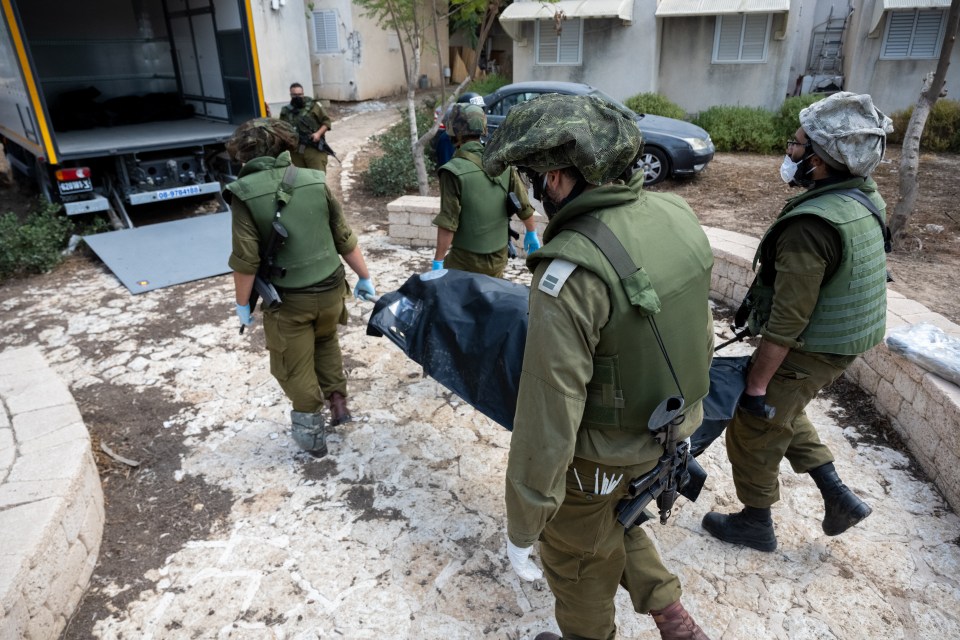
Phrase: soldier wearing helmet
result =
(475, 209)
(301, 333)
(818, 301)
(594, 370)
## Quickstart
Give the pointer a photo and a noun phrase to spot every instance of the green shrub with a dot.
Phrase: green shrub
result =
(787, 120)
(488, 84)
(941, 132)
(393, 173)
(655, 104)
(741, 129)
(35, 245)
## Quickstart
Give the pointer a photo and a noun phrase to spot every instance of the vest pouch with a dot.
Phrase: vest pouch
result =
(760, 299)
(604, 394)
(640, 292)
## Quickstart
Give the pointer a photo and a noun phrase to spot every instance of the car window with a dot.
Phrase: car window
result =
(616, 103)
(501, 107)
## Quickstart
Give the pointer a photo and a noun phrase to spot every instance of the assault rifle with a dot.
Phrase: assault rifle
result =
(262, 287)
(513, 207)
(677, 471)
(322, 146)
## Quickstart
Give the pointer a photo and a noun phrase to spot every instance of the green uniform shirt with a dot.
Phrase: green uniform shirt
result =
(562, 337)
(307, 120)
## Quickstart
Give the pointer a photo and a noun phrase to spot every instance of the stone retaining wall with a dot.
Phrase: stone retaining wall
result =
(922, 407)
(51, 502)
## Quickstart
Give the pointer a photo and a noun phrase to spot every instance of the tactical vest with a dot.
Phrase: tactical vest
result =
(483, 205)
(309, 255)
(630, 374)
(304, 120)
(851, 311)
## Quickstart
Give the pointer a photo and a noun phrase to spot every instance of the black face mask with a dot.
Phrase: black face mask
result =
(297, 102)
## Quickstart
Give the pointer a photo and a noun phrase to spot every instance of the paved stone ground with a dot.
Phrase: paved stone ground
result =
(399, 532)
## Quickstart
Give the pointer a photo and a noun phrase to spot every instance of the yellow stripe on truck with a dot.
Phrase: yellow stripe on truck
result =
(31, 83)
(262, 107)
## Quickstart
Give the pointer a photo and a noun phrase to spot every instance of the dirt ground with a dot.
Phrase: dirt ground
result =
(154, 510)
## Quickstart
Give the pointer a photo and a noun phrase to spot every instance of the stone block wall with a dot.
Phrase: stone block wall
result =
(51, 502)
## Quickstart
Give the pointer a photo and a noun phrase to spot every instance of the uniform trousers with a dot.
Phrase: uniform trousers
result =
(755, 445)
(586, 555)
(309, 158)
(490, 264)
(305, 357)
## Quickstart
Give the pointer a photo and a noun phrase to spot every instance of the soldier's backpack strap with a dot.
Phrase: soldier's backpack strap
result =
(862, 198)
(475, 159)
(285, 189)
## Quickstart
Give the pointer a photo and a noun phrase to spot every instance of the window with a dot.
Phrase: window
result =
(325, 32)
(565, 48)
(913, 34)
(742, 37)
(503, 106)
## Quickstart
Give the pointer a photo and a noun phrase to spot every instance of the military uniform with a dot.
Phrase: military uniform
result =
(307, 120)
(301, 334)
(474, 206)
(592, 374)
(821, 292)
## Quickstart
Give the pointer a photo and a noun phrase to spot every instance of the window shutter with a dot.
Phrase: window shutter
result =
(547, 43)
(325, 31)
(754, 37)
(926, 36)
(569, 42)
(728, 43)
(562, 49)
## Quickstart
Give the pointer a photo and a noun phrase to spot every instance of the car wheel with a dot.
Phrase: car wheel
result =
(655, 166)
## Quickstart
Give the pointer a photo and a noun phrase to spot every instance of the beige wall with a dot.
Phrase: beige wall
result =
(282, 49)
(893, 84)
(369, 64)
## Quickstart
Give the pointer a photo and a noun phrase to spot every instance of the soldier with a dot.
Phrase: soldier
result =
(301, 334)
(475, 208)
(312, 123)
(819, 300)
(593, 367)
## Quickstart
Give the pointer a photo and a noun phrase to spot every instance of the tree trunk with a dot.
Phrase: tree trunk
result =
(493, 10)
(910, 151)
(416, 147)
(436, 37)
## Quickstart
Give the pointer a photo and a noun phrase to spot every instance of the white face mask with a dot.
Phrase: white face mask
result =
(788, 169)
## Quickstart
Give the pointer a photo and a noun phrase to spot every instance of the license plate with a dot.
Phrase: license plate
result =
(178, 192)
(75, 186)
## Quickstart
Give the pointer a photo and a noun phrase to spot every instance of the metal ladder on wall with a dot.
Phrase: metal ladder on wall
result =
(826, 47)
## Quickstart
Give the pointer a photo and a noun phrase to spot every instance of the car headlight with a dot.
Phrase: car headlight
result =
(699, 144)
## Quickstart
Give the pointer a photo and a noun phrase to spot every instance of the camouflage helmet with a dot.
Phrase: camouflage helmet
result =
(466, 121)
(556, 131)
(847, 131)
(261, 137)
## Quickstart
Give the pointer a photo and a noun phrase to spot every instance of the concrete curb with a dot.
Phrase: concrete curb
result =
(923, 407)
(51, 502)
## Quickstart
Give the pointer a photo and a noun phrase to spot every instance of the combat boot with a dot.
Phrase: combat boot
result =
(752, 527)
(339, 413)
(546, 635)
(309, 432)
(675, 623)
(842, 508)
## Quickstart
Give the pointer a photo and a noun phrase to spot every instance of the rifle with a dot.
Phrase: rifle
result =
(513, 207)
(262, 287)
(676, 472)
(322, 146)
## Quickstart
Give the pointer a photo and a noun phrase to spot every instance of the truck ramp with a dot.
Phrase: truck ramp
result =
(168, 253)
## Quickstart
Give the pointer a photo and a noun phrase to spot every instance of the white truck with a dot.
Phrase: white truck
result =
(109, 104)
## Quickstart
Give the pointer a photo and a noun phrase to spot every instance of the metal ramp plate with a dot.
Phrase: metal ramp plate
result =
(162, 255)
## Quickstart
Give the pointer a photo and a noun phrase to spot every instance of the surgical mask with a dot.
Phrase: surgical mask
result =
(788, 169)
(297, 102)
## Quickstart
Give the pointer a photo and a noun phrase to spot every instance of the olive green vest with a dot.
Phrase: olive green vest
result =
(851, 312)
(304, 120)
(483, 204)
(309, 255)
(665, 240)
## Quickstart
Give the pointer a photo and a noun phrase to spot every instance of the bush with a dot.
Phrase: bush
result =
(941, 132)
(35, 245)
(741, 129)
(488, 84)
(787, 120)
(393, 173)
(655, 104)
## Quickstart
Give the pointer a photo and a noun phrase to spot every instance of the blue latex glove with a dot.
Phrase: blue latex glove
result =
(530, 242)
(437, 265)
(364, 289)
(243, 312)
